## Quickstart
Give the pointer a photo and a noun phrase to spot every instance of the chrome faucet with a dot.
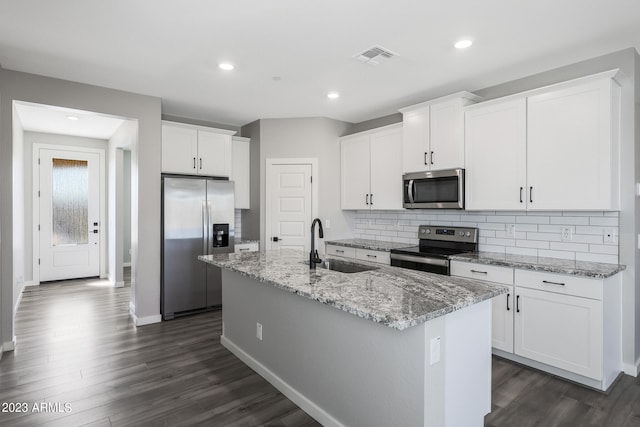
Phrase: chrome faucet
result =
(314, 258)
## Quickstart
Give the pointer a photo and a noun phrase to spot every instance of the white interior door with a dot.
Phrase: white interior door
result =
(69, 207)
(289, 213)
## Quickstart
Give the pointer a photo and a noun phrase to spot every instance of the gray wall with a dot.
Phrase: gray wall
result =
(126, 184)
(374, 123)
(308, 138)
(200, 122)
(251, 216)
(145, 177)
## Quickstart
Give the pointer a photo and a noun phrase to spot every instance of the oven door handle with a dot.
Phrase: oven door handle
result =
(421, 260)
(410, 191)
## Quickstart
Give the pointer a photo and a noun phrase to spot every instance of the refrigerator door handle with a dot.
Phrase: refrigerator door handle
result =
(205, 228)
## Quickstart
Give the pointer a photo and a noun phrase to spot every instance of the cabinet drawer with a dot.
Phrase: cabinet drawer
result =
(560, 283)
(489, 273)
(246, 247)
(373, 256)
(341, 251)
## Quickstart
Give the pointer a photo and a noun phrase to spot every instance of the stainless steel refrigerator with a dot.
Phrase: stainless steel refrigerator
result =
(197, 219)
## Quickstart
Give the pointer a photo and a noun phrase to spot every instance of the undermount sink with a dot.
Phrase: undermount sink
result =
(343, 266)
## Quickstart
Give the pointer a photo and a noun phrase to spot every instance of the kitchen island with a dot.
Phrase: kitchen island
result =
(383, 347)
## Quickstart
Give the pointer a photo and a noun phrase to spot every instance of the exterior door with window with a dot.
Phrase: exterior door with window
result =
(69, 226)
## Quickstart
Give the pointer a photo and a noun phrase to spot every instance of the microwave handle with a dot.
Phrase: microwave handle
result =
(410, 191)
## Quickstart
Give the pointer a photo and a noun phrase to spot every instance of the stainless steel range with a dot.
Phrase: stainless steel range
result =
(437, 243)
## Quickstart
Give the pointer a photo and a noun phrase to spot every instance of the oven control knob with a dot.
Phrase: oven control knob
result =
(468, 234)
(462, 233)
(427, 231)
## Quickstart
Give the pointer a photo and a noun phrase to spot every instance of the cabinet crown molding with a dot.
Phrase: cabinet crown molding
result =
(458, 95)
(198, 127)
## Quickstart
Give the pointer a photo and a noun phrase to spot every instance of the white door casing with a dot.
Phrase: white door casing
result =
(56, 259)
(291, 203)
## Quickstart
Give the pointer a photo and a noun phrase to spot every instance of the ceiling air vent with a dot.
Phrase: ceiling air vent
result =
(374, 55)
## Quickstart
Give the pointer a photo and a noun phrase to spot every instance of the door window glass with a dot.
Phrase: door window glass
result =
(70, 181)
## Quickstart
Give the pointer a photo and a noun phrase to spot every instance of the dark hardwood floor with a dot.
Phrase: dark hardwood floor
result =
(77, 345)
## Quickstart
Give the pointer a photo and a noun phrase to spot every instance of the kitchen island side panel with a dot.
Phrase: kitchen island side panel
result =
(356, 371)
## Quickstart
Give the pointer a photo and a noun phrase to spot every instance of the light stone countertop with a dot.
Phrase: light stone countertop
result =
(376, 245)
(396, 297)
(596, 270)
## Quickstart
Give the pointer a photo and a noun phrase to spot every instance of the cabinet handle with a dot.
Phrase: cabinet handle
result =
(508, 295)
(366, 199)
(530, 194)
(553, 283)
(372, 256)
(200, 163)
(244, 249)
(478, 271)
(340, 251)
(432, 157)
(371, 199)
(521, 194)
(194, 162)
(518, 304)
(426, 162)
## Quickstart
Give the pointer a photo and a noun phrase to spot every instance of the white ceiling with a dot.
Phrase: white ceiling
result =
(171, 49)
(45, 118)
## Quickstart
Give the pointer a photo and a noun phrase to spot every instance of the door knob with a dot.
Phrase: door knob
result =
(275, 239)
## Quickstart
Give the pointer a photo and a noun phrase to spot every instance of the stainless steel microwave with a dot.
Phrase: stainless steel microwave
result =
(434, 190)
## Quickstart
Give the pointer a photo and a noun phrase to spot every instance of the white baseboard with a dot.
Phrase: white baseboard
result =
(31, 283)
(9, 345)
(118, 284)
(292, 394)
(141, 321)
(15, 307)
(126, 264)
(630, 369)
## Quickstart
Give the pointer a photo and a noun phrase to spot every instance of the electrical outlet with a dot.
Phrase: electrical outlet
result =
(566, 234)
(511, 230)
(609, 235)
(259, 331)
(327, 223)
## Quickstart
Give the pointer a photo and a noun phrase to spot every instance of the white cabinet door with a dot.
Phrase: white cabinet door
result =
(415, 140)
(386, 170)
(214, 154)
(241, 171)
(179, 149)
(502, 323)
(356, 175)
(447, 135)
(495, 156)
(569, 148)
(560, 330)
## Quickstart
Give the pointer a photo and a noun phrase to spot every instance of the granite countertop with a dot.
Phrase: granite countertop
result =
(596, 270)
(395, 297)
(376, 245)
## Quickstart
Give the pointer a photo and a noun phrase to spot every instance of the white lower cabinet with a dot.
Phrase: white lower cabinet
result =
(381, 257)
(247, 247)
(563, 324)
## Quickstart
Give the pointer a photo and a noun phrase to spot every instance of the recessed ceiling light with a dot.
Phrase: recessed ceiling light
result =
(74, 118)
(333, 95)
(463, 44)
(226, 66)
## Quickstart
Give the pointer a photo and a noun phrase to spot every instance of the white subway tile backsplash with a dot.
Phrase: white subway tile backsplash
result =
(536, 233)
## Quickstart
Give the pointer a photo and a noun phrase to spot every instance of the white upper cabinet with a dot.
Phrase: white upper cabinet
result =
(371, 165)
(495, 156)
(241, 171)
(572, 147)
(196, 150)
(433, 133)
(179, 150)
(554, 148)
(214, 154)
